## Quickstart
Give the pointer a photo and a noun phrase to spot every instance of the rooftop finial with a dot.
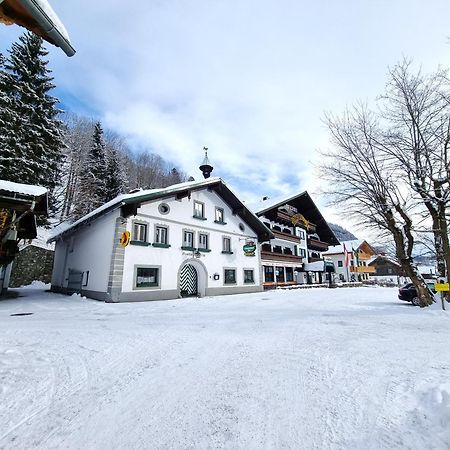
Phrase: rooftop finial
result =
(206, 167)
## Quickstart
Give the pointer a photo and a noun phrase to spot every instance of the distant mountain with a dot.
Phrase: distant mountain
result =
(341, 233)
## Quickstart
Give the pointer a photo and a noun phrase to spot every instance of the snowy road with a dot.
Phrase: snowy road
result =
(316, 369)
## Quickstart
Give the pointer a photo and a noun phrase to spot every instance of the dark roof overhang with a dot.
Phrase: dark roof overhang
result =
(306, 206)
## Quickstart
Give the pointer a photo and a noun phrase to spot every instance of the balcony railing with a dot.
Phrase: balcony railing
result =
(317, 244)
(362, 269)
(286, 236)
(274, 256)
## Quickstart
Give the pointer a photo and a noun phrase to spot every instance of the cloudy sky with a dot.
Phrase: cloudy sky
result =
(249, 79)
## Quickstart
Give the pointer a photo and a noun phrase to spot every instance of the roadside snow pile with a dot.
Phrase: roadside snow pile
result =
(432, 414)
(36, 284)
(75, 295)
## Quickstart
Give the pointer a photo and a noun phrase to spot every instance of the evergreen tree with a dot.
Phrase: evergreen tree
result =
(93, 191)
(115, 180)
(31, 140)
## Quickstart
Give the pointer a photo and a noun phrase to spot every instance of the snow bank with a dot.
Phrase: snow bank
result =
(36, 284)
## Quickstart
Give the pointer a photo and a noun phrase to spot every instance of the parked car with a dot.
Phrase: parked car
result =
(408, 293)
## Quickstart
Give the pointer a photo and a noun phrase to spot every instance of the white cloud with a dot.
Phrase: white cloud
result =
(250, 79)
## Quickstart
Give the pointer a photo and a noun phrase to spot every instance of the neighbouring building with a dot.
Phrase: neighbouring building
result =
(19, 206)
(301, 236)
(387, 270)
(351, 260)
(190, 239)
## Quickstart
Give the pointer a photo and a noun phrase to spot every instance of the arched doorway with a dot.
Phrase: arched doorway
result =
(188, 281)
(192, 279)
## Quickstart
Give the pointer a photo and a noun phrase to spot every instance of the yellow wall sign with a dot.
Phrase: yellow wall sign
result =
(125, 238)
(441, 287)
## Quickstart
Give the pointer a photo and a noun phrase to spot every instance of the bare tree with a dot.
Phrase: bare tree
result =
(416, 109)
(366, 186)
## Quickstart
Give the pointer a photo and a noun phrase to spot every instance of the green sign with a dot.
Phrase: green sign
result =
(249, 249)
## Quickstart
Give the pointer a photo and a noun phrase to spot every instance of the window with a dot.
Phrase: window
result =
(230, 276)
(268, 274)
(160, 235)
(219, 215)
(289, 274)
(248, 276)
(140, 232)
(164, 208)
(340, 264)
(147, 277)
(303, 253)
(280, 274)
(188, 239)
(226, 245)
(203, 241)
(199, 210)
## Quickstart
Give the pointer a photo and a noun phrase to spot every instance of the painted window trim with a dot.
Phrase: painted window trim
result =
(147, 288)
(227, 253)
(141, 243)
(191, 249)
(147, 230)
(235, 276)
(218, 208)
(187, 230)
(230, 251)
(208, 242)
(196, 216)
(158, 245)
(253, 272)
(161, 225)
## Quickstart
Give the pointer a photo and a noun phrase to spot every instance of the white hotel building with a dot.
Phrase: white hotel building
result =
(184, 240)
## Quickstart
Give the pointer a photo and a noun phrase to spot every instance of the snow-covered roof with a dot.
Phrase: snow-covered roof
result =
(40, 18)
(316, 266)
(40, 241)
(24, 189)
(153, 194)
(388, 258)
(264, 205)
(349, 245)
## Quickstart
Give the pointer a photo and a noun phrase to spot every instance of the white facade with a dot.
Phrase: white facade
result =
(165, 238)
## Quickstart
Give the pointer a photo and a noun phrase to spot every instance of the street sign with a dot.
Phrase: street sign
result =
(442, 287)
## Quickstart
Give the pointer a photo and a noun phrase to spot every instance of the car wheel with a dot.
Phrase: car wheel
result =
(415, 301)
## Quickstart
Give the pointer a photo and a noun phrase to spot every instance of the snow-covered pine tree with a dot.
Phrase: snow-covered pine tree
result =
(115, 179)
(11, 150)
(32, 139)
(92, 191)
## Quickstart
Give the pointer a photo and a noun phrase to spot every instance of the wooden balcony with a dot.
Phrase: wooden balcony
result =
(274, 256)
(362, 269)
(314, 259)
(286, 236)
(317, 244)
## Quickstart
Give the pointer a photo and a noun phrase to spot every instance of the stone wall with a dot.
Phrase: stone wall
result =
(32, 263)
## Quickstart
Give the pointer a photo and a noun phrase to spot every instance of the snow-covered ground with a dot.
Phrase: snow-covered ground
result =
(350, 368)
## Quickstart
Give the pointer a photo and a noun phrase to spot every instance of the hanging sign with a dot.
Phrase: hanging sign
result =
(249, 249)
(125, 238)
